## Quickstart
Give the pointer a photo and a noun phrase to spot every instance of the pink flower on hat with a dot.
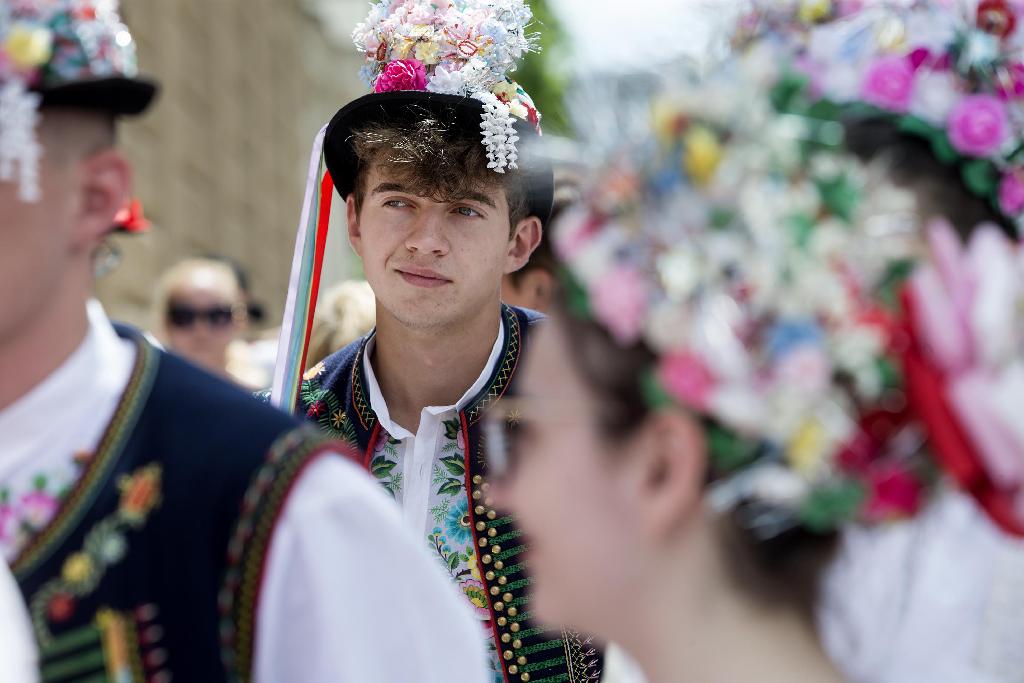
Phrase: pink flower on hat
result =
(893, 493)
(978, 125)
(620, 300)
(1011, 193)
(402, 74)
(889, 84)
(687, 379)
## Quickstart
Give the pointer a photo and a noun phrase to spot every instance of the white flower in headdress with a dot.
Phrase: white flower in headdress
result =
(447, 82)
(20, 149)
(499, 133)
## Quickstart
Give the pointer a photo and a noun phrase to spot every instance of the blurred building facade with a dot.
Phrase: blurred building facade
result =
(221, 159)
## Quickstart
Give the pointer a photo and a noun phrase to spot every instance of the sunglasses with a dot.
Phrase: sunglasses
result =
(182, 316)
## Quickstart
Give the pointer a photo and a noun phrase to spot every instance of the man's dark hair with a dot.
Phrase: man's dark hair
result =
(567, 193)
(442, 163)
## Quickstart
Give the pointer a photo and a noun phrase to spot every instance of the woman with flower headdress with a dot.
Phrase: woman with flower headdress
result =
(738, 374)
(930, 94)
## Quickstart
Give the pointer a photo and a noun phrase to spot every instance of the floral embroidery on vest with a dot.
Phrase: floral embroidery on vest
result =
(105, 545)
(324, 407)
(27, 509)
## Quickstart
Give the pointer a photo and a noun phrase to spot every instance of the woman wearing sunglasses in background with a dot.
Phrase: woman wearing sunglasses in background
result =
(200, 311)
(721, 391)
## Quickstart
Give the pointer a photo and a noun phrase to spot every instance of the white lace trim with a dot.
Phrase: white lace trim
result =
(499, 133)
(20, 150)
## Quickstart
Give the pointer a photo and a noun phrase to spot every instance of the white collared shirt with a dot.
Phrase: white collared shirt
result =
(341, 570)
(420, 452)
(425, 472)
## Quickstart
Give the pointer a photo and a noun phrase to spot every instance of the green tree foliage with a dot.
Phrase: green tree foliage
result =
(544, 74)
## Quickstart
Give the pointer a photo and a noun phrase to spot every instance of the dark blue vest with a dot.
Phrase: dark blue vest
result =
(151, 568)
(334, 396)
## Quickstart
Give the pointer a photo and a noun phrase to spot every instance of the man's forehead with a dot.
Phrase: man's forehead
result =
(382, 178)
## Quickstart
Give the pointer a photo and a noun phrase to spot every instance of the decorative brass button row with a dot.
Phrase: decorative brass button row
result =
(509, 636)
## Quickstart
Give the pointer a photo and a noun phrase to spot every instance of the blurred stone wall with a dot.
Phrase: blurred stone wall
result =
(221, 159)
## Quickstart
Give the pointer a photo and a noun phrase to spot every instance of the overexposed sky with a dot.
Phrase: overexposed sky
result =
(613, 34)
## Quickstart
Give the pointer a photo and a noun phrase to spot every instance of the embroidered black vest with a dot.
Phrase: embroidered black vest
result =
(333, 395)
(151, 568)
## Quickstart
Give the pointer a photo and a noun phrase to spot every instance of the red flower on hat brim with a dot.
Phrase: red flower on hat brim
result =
(950, 443)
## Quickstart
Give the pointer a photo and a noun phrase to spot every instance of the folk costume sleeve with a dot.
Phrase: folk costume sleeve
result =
(17, 647)
(383, 613)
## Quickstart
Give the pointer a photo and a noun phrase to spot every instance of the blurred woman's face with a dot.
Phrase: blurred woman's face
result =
(204, 315)
(568, 484)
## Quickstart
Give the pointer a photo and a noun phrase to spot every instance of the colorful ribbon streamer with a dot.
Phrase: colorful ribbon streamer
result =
(304, 282)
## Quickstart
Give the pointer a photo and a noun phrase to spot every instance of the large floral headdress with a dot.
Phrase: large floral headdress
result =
(794, 300)
(44, 45)
(950, 71)
(455, 47)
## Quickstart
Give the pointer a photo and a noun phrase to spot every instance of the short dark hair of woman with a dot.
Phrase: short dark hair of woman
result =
(913, 165)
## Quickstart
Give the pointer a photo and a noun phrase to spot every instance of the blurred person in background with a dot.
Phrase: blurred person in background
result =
(438, 214)
(346, 312)
(199, 312)
(746, 366)
(533, 285)
(161, 524)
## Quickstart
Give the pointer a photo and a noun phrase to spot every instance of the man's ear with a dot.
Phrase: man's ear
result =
(670, 470)
(355, 235)
(525, 239)
(104, 187)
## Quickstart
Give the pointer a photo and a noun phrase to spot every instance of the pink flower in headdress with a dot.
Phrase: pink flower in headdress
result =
(893, 493)
(620, 301)
(978, 125)
(889, 84)
(402, 74)
(1010, 81)
(687, 379)
(1011, 193)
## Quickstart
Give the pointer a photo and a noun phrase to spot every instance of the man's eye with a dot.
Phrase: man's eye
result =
(396, 203)
(466, 211)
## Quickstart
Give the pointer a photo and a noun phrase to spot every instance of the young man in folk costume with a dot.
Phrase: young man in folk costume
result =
(442, 199)
(159, 523)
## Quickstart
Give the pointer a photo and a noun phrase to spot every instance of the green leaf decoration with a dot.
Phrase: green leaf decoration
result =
(727, 451)
(382, 467)
(825, 110)
(451, 487)
(915, 125)
(840, 197)
(453, 561)
(655, 394)
(787, 95)
(890, 374)
(980, 176)
(802, 227)
(943, 150)
(454, 464)
(828, 507)
(722, 218)
(452, 428)
(892, 283)
(575, 295)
